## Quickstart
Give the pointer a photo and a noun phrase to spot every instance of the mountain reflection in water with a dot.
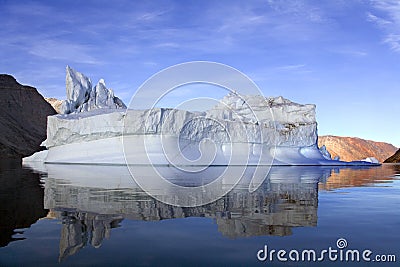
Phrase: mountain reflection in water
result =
(21, 200)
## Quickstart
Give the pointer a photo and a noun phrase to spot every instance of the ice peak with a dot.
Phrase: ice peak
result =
(102, 82)
(82, 97)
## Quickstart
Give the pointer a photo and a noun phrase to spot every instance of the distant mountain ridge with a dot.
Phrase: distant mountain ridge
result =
(354, 148)
(23, 118)
(394, 158)
(55, 103)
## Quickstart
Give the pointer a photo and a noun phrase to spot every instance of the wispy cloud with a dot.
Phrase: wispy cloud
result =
(135, 29)
(287, 71)
(298, 9)
(44, 79)
(167, 45)
(349, 51)
(380, 21)
(291, 67)
(61, 50)
(394, 41)
(153, 15)
(277, 20)
(29, 9)
(388, 20)
(150, 63)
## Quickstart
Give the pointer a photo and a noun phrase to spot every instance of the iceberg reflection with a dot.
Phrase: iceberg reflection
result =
(91, 200)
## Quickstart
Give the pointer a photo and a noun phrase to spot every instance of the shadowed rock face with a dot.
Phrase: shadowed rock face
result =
(353, 148)
(23, 118)
(394, 159)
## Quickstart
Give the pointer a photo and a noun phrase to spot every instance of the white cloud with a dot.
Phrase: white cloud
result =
(388, 21)
(394, 41)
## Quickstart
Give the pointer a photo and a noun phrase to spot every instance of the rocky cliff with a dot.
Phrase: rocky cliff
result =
(353, 148)
(394, 158)
(23, 118)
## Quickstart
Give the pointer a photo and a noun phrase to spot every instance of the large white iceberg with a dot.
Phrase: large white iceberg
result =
(96, 128)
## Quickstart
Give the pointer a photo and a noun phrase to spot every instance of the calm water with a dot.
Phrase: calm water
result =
(96, 216)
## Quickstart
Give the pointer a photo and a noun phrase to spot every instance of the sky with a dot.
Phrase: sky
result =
(342, 55)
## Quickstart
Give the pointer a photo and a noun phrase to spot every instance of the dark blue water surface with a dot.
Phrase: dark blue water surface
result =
(96, 216)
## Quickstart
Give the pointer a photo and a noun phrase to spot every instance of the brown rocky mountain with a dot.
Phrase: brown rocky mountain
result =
(394, 159)
(54, 102)
(23, 118)
(353, 148)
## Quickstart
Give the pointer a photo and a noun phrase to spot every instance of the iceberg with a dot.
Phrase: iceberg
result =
(325, 153)
(371, 160)
(96, 127)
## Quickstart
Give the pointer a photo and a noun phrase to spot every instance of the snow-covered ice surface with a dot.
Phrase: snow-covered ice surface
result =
(240, 130)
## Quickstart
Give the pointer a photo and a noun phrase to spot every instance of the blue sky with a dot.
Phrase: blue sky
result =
(343, 56)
